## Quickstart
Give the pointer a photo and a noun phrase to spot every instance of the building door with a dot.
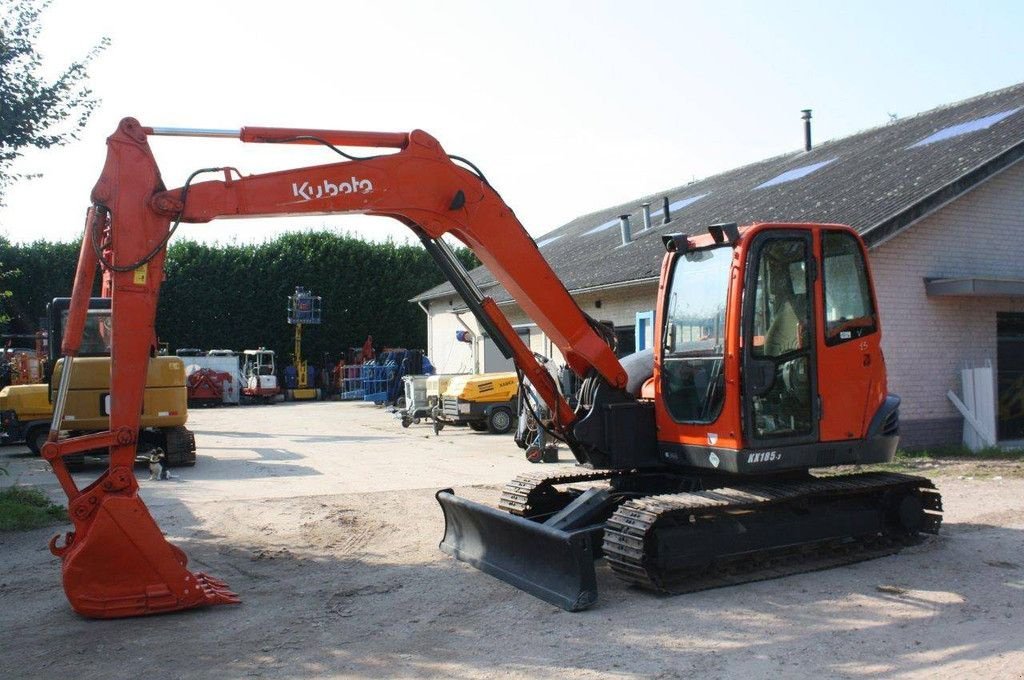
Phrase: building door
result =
(1010, 377)
(492, 360)
(644, 330)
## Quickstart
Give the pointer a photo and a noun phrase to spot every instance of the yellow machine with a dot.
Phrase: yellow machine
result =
(24, 404)
(26, 410)
(437, 385)
(486, 402)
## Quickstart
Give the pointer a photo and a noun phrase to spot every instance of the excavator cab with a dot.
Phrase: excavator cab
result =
(770, 357)
(259, 374)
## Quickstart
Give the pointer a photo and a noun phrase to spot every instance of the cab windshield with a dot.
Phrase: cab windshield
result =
(96, 335)
(694, 335)
(259, 364)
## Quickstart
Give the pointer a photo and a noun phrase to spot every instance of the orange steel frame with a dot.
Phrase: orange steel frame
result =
(117, 562)
(851, 375)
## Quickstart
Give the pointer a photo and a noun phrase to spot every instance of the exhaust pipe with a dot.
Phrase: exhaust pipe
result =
(666, 217)
(646, 208)
(807, 129)
(627, 237)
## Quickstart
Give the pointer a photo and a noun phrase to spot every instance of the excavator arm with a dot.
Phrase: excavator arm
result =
(116, 562)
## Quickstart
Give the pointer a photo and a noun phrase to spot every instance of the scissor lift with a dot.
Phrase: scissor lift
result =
(303, 310)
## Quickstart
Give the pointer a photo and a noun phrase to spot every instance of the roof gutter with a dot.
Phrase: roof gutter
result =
(612, 286)
(591, 289)
(434, 296)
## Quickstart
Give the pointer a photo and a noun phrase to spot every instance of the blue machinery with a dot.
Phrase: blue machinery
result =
(380, 380)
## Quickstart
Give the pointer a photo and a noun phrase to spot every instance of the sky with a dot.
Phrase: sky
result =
(567, 107)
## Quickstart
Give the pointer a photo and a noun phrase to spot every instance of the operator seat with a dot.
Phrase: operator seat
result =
(787, 329)
(786, 332)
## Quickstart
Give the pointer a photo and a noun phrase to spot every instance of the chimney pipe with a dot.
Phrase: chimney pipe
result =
(665, 216)
(646, 208)
(624, 229)
(807, 129)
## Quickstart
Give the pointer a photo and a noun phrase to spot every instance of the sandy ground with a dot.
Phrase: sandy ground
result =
(321, 516)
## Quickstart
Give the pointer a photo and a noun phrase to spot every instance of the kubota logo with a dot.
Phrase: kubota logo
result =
(308, 192)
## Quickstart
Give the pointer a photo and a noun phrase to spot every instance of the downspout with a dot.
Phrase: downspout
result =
(430, 327)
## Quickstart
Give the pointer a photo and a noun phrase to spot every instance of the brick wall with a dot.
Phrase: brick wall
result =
(928, 340)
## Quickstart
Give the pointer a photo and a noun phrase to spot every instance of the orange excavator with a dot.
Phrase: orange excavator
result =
(694, 458)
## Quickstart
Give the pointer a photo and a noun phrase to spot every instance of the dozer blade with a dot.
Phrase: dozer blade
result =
(117, 563)
(554, 565)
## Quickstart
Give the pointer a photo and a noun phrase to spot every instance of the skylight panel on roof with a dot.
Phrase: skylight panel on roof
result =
(601, 227)
(964, 128)
(550, 239)
(679, 205)
(794, 174)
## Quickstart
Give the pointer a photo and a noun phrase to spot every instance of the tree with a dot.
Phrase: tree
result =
(34, 112)
(5, 293)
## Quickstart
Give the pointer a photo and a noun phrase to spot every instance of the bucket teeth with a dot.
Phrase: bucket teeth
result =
(215, 591)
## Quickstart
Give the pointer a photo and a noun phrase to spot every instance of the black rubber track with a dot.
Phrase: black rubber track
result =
(631, 536)
(180, 447)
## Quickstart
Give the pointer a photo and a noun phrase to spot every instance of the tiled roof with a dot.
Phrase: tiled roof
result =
(878, 181)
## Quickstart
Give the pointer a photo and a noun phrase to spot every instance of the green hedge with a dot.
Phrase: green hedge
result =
(235, 296)
(41, 272)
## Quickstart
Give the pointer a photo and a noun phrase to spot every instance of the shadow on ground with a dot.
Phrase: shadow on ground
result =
(297, 438)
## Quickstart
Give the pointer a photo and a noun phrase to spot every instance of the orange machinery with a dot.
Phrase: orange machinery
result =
(26, 367)
(695, 456)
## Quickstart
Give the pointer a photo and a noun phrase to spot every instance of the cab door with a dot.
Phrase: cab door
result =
(853, 382)
(780, 367)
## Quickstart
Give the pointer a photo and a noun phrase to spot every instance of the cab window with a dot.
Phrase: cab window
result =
(96, 334)
(693, 382)
(779, 335)
(849, 311)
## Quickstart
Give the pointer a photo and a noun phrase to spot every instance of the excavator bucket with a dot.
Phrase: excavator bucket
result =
(553, 564)
(117, 563)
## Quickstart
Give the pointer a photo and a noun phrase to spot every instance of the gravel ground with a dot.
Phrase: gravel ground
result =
(321, 517)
